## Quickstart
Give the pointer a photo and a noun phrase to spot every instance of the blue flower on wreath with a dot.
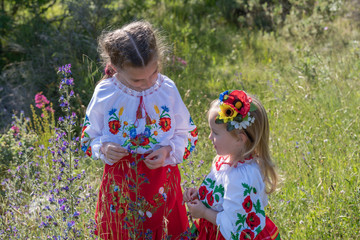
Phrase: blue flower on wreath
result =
(112, 111)
(165, 108)
(221, 97)
(116, 188)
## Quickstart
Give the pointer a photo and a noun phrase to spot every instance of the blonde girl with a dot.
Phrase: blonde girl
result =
(231, 200)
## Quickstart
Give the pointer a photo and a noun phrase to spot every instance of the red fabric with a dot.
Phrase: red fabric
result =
(209, 231)
(269, 232)
(170, 214)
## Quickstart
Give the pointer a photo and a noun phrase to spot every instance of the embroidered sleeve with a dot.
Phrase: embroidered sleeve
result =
(185, 136)
(243, 216)
(93, 124)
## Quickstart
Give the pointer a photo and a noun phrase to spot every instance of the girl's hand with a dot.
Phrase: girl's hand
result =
(157, 158)
(113, 152)
(190, 194)
(196, 208)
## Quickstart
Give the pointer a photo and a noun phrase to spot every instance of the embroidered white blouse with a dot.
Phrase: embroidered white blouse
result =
(238, 194)
(138, 121)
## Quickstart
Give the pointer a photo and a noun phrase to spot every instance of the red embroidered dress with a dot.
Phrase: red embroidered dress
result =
(134, 200)
(238, 194)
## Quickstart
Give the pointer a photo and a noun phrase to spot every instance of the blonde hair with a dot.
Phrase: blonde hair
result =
(135, 45)
(259, 132)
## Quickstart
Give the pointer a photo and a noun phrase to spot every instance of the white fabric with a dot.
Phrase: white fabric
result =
(110, 96)
(230, 202)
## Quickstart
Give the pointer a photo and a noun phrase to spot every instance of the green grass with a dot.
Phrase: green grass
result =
(311, 91)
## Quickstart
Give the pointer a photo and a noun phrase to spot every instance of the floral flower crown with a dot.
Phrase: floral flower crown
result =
(235, 108)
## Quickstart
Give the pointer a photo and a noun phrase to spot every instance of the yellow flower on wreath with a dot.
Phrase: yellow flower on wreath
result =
(227, 113)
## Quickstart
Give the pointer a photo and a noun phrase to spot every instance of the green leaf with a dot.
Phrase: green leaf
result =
(219, 121)
(238, 118)
(219, 189)
(241, 220)
(230, 127)
(146, 146)
(234, 237)
(211, 183)
(217, 198)
(258, 230)
(247, 189)
(153, 140)
(258, 209)
(252, 107)
(126, 143)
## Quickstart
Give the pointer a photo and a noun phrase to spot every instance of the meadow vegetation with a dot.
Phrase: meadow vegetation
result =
(300, 58)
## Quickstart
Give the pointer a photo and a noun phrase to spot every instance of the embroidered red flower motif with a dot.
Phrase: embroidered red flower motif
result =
(239, 100)
(89, 152)
(194, 132)
(83, 131)
(140, 140)
(114, 126)
(252, 220)
(195, 142)
(165, 124)
(186, 154)
(202, 192)
(210, 198)
(246, 234)
(247, 204)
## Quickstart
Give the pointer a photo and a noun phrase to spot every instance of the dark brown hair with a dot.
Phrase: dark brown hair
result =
(135, 45)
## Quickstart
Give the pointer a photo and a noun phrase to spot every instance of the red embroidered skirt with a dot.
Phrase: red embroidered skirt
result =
(209, 231)
(140, 203)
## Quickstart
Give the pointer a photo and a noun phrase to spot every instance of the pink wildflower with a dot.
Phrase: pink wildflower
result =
(40, 100)
(15, 129)
(49, 109)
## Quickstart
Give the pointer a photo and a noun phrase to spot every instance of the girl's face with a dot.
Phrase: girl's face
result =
(224, 142)
(139, 78)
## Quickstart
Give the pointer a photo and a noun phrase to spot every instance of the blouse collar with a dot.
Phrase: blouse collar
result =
(224, 160)
(135, 93)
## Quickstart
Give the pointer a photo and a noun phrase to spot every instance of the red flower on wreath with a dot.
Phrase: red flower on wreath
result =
(246, 234)
(165, 124)
(194, 132)
(239, 101)
(114, 126)
(210, 198)
(202, 192)
(247, 204)
(186, 154)
(252, 220)
(88, 151)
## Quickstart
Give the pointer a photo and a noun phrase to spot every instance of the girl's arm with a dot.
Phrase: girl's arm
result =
(185, 135)
(92, 139)
(244, 203)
